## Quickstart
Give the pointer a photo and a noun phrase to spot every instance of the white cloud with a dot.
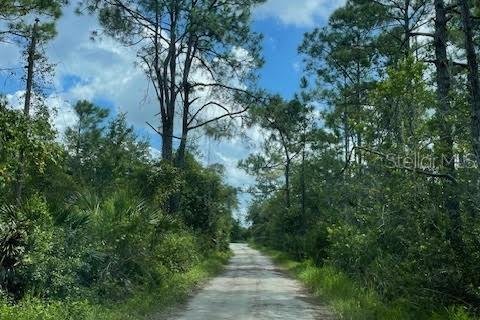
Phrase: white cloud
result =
(154, 153)
(63, 114)
(105, 69)
(15, 99)
(300, 13)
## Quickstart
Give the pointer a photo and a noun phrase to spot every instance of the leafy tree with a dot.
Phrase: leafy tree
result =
(239, 233)
(33, 136)
(342, 59)
(191, 56)
(124, 157)
(399, 105)
(207, 204)
(285, 126)
(84, 139)
(106, 155)
(16, 15)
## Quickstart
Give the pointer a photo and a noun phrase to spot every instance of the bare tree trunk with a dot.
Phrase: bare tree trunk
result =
(190, 54)
(288, 163)
(182, 152)
(180, 160)
(346, 128)
(303, 184)
(473, 79)
(31, 64)
(287, 182)
(167, 140)
(443, 87)
(26, 109)
(446, 144)
(166, 77)
(175, 200)
(358, 153)
(406, 28)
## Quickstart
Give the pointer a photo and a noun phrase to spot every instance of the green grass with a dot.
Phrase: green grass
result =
(142, 303)
(351, 301)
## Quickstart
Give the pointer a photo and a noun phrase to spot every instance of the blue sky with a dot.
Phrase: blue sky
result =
(104, 72)
(282, 70)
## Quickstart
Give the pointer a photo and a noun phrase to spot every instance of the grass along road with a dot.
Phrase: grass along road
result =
(251, 287)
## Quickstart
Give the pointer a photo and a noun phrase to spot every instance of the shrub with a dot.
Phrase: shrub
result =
(178, 252)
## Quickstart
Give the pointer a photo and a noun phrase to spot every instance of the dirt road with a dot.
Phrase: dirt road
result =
(251, 288)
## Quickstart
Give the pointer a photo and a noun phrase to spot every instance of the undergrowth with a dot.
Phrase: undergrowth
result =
(349, 300)
(142, 303)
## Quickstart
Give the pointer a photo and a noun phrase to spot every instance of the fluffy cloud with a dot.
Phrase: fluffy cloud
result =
(63, 114)
(102, 70)
(300, 13)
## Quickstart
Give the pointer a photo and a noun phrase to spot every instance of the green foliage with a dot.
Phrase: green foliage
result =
(26, 241)
(371, 198)
(207, 204)
(33, 136)
(15, 13)
(351, 300)
(143, 302)
(12, 244)
(239, 233)
(178, 252)
(92, 229)
(106, 155)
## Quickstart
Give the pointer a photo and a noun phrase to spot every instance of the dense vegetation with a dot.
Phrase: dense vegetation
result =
(92, 222)
(370, 175)
(92, 225)
(380, 182)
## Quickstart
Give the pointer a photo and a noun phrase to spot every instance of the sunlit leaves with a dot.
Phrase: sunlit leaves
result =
(34, 136)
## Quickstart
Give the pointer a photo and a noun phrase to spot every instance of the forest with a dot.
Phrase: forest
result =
(373, 168)
(368, 178)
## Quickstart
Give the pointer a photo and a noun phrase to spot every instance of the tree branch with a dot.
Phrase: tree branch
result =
(161, 134)
(230, 114)
(409, 169)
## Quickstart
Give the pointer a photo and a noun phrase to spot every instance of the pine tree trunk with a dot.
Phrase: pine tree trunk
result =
(446, 143)
(473, 78)
(406, 28)
(287, 183)
(167, 140)
(26, 110)
(303, 186)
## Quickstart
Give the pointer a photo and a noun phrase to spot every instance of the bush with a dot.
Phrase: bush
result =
(93, 248)
(178, 252)
(26, 242)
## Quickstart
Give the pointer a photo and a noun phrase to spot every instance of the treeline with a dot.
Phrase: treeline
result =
(88, 216)
(93, 219)
(373, 169)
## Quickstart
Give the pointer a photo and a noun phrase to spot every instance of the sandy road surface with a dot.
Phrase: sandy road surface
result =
(251, 287)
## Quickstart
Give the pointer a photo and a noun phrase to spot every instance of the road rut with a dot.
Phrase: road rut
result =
(251, 287)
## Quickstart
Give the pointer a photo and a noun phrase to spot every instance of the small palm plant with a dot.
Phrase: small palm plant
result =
(13, 239)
